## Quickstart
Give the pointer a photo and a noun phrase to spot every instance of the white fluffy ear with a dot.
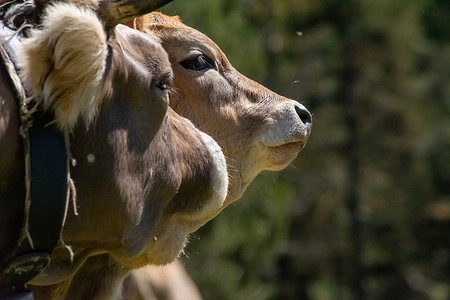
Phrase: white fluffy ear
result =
(63, 63)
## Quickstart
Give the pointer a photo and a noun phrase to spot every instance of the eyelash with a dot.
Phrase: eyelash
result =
(198, 63)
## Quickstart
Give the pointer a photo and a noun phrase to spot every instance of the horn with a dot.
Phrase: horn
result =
(114, 12)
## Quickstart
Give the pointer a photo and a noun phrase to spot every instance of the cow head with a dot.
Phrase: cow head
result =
(145, 177)
(256, 128)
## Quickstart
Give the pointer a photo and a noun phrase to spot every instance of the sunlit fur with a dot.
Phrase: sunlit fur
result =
(63, 64)
(145, 176)
(256, 128)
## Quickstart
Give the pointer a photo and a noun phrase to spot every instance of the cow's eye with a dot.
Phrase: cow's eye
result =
(161, 85)
(199, 63)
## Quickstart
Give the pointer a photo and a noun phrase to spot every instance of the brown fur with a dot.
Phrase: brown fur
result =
(169, 282)
(145, 177)
(11, 168)
(256, 128)
(238, 112)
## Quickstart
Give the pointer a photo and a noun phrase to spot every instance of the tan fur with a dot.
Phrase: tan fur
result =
(145, 176)
(138, 199)
(256, 128)
(170, 282)
(63, 64)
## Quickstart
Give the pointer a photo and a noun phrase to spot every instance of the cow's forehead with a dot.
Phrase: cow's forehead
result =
(141, 45)
(136, 37)
(145, 52)
(184, 43)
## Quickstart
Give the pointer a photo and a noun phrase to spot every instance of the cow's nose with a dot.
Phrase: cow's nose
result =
(304, 115)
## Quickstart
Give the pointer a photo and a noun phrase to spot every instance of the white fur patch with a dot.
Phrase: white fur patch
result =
(219, 175)
(63, 63)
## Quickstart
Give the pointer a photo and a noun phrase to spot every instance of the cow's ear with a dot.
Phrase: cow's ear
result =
(63, 63)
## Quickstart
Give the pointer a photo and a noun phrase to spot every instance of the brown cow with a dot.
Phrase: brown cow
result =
(256, 128)
(145, 177)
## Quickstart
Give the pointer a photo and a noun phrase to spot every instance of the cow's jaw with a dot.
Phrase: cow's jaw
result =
(169, 238)
(193, 220)
(219, 186)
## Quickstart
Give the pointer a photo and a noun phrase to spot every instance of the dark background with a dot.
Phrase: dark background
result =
(364, 211)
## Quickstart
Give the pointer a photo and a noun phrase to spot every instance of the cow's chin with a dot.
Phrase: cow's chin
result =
(166, 243)
(279, 157)
(167, 240)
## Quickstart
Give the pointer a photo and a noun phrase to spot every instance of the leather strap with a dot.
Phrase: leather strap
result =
(48, 193)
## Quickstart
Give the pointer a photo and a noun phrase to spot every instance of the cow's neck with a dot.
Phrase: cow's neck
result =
(45, 182)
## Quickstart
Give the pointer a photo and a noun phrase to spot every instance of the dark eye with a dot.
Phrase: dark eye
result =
(199, 63)
(161, 85)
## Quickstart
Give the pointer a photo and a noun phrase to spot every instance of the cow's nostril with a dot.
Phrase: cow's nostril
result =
(304, 115)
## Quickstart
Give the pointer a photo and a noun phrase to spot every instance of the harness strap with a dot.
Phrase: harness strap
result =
(45, 183)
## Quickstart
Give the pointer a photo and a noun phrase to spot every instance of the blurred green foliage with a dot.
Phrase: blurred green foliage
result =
(364, 212)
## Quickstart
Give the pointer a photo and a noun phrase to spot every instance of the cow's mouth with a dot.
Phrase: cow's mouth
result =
(286, 150)
(281, 156)
(289, 147)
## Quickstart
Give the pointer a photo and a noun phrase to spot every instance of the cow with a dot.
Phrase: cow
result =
(144, 176)
(256, 128)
